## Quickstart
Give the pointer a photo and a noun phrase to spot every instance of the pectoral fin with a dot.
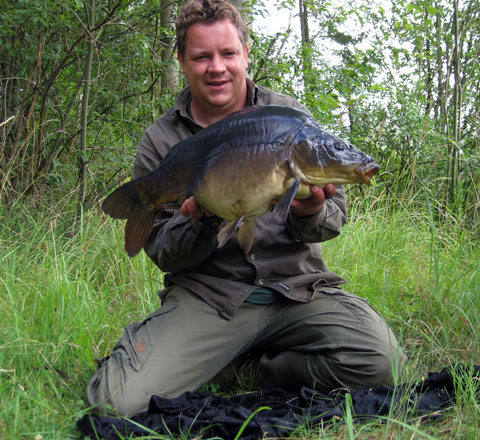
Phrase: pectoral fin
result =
(246, 235)
(226, 232)
(282, 207)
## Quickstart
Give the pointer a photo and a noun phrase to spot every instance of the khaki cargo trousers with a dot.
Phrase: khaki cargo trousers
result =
(336, 341)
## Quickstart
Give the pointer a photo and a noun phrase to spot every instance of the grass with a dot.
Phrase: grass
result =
(65, 298)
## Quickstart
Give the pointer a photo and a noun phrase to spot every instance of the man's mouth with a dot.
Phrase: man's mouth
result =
(217, 83)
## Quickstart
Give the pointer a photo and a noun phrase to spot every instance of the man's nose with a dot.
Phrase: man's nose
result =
(217, 64)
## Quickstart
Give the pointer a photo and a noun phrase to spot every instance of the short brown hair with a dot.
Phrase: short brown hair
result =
(207, 11)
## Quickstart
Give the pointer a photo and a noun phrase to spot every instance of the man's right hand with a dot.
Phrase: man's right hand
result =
(190, 208)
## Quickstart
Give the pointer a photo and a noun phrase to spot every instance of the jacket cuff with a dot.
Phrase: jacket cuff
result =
(313, 219)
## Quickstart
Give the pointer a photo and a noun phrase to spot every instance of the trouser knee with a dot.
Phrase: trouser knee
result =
(110, 391)
(355, 371)
(325, 371)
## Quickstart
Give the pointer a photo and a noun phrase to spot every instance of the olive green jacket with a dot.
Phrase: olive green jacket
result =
(285, 257)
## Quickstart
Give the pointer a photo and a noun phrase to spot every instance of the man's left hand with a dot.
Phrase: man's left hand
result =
(310, 206)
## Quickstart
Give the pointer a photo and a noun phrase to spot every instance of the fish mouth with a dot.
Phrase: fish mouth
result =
(365, 172)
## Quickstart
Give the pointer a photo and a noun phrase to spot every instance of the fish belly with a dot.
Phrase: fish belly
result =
(234, 188)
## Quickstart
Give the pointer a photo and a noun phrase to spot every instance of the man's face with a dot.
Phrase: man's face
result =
(215, 64)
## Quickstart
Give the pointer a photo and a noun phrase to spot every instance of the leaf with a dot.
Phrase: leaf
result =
(433, 11)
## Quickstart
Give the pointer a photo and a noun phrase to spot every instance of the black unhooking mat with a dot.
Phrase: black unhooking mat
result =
(209, 415)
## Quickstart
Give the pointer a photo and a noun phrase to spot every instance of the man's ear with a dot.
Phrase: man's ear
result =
(180, 60)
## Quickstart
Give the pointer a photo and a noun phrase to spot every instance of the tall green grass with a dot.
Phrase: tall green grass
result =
(67, 290)
(66, 293)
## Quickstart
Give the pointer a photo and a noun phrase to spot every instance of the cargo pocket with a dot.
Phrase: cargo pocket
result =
(140, 338)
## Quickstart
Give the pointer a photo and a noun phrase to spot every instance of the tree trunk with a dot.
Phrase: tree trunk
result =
(170, 77)
(306, 43)
(457, 98)
(90, 11)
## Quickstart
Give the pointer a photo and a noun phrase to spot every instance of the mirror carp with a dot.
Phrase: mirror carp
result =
(235, 168)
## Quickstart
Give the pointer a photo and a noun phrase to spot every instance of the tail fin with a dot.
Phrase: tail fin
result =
(123, 203)
(137, 230)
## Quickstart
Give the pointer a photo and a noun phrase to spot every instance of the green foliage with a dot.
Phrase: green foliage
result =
(41, 85)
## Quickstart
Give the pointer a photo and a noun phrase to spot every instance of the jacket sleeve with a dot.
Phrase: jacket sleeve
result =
(322, 226)
(178, 242)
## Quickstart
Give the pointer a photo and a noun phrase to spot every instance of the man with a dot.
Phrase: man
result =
(277, 311)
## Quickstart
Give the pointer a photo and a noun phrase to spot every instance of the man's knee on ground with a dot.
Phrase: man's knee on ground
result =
(119, 402)
(354, 370)
(109, 392)
(366, 370)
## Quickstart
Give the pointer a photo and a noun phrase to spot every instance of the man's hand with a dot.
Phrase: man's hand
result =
(190, 208)
(310, 206)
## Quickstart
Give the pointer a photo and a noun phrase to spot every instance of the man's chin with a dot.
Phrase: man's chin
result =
(221, 104)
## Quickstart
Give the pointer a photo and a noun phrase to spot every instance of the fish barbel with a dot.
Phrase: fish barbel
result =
(235, 168)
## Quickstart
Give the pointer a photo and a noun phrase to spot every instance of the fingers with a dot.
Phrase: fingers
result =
(318, 196)
(329, 190)
(310, 206)
(190, 208)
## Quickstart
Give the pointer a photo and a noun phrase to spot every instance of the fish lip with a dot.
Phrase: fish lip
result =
(366, 171)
